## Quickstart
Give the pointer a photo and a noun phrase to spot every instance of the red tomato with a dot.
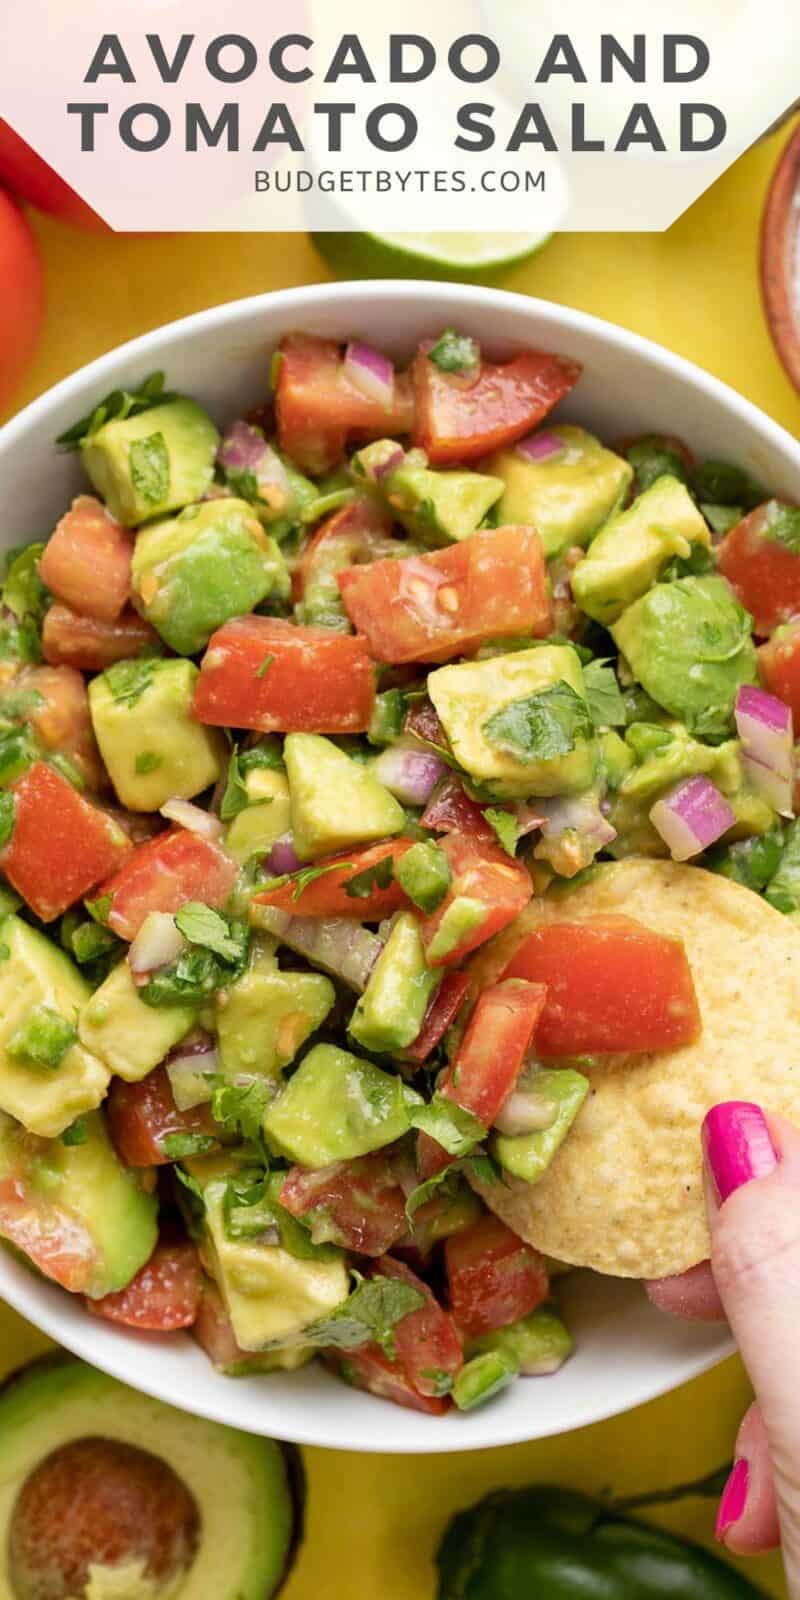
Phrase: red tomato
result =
(327, 896)
(613, 986)
(442, 1010)
(779, 665)
(493, 1277)
(61, 845)
(164, 1295)
(480, 872)
(763, 572)
(141, 1114)
(355, 534)
(69, 640)
(87, 560)
(163, 874)
(21, 296)
(460, 420)
(61, 718)
(450, 810)
(356, 1204)
(316, 682)
(318, 409)
(27, 175)
(53, 1238)
(213, 1331)
(369, 1368)
(427, 1346)
(423, 721)
(433, 607)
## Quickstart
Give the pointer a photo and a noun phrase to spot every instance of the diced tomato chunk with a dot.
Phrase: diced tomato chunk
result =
(70, 640)
(450, 810)
(163, 874)
(493, 1277)
(164, 1295)
(316, 681)
(369, 1368)
(492, 1053)
(318, 409)
(327, 896)
(141, 1115)
(764, 573)
(61, 844)
(428, 1349)
(59, 715)
(613, 986)
(433, 607)
(56, 1240)
(213, 1331)
(356, 1204)
(87, 561)
(482, 873)
(442, 1010)
(779, 665)
(458, 420)
(353, 535)
(423, 721)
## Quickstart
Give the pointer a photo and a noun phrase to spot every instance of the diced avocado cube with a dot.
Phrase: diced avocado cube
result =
(264, 1018)
(270, 1295)
(633, 548)
(195, 571)
(145, 706)
(539, 1343)
(541, 692)
(336, 1107)
(37, 978)
(158, 461)
(528, 1155)
(463, 915)
(440, 508)
(689, 644)
(615, 759)
(568, 495)
(424, 874)
(254, 831)
(83, 1193)
(335, 801)
(389, 1014)
(484, 1377)
(131, 1038)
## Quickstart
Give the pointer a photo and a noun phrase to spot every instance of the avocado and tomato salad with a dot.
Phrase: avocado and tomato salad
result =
(296, 718)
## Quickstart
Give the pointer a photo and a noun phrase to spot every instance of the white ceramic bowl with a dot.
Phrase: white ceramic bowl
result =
(627, 1353)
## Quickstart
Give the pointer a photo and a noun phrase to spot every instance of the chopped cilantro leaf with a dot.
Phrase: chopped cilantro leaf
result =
(369, 1316)
(116, 407)
(455, 352)
(178, 1146)
(541, 726)
(454, 1128)
(202, 925)
(603, 695)
(505, 826)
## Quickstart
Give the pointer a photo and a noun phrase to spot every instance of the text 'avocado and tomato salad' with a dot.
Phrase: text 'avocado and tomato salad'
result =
(294, 720)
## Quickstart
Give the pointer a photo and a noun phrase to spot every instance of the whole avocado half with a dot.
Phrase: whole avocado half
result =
(248, 1492)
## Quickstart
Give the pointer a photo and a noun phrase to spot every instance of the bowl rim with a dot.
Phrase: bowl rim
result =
(781, 299)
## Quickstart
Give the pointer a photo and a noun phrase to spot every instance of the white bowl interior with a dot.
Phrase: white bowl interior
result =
(627, 1353)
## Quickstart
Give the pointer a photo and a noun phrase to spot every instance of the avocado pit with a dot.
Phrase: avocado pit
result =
(100, 1504)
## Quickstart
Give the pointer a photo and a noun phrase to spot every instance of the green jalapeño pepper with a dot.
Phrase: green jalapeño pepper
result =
(545, 1543)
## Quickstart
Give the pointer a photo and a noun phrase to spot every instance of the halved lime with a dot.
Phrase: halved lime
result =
(473, 256)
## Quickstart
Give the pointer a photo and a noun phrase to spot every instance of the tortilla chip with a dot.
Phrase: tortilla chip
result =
(625, 1193)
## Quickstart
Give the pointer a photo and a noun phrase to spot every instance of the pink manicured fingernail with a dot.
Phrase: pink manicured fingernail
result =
(734, 1498)
(737, 1145)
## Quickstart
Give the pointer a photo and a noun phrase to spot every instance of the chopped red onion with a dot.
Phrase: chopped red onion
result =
(765, 728)
(189, 1068)
(343, 947)
(244, 449)
(385, 457)
(410, 774)
(194, 819)
(157, 943)
(283, 857)
(773, 787)
(371, 372)
(540, 447)
(692, 817)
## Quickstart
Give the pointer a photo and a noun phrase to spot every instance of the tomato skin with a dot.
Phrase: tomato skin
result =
(779, 666)
(27, 175)
(70, 640)
(480, 872)
(63, 721)
(318, 409)
(493, 1277)
(450, 810)
(369, 1368)
(55, 1241)
(141, 1114)
(21, 296)
(87, 560)
(426, 1341)
(764, 574)
(327, 896)
(317, 682)
(459, 421)
(61, 845)
(442, 1010)
(163, 1296)
(613, 986)
(360, 1203)
(492, 1053)
(434, 607)
(353, 534)
(163, 874)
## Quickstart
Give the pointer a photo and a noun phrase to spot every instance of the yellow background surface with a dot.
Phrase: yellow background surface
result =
(694, 289)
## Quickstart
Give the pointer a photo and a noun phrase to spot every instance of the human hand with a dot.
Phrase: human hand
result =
(753, 1279)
